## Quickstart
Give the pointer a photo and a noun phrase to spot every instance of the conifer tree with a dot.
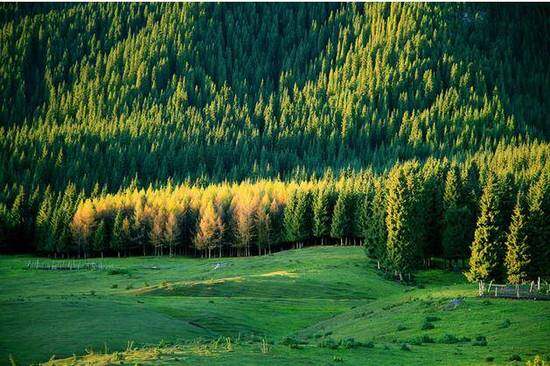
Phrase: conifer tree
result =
(455, 241)
(376, 232)
(402, 244)
(117, 237)
(98, 244)
(172, 232)
(518, 250)
(539, 226)
(485, 260)
(340, 218)
(321, 215)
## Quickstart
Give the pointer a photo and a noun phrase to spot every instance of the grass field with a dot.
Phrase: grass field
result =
(291, 308)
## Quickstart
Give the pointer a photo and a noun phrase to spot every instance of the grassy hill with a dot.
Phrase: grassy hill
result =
(285, 309)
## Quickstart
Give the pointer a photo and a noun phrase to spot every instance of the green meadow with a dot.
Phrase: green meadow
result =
(313, 306)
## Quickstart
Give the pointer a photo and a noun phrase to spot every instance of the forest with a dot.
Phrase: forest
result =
(414, 130)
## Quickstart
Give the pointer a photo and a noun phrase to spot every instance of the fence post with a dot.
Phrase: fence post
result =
(538, 284)
(517, 290)
(496, 291)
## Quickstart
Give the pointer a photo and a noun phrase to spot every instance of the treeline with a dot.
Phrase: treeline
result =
(404, 218)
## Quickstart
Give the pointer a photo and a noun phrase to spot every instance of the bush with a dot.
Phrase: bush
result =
(537, 361)
(405, 347)
(129, 286)
(427, 326)
(449, 339)
(114, 285)
(118, 271)
(401, 327)
(418, 341)
(369, 344)
(489, 359)
(514, 358)
(505, 324)
(432, 319)
(480, 341)
(292, 342)
(328, 343)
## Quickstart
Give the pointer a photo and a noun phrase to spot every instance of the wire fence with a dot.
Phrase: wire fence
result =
(536, 290)
(67, 265)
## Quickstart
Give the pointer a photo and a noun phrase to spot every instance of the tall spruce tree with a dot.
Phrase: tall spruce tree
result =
(485, 259)
(321, 215)
(518, 243)
(340, 218)
(403, 248)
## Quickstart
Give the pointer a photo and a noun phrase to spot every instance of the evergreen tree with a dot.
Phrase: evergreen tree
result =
(455, 239)
(485, 260)
(376, 232)
(98, 244)
(321, 215)
(340, 218)
(518, 251)
(118, 239)
(402, 244)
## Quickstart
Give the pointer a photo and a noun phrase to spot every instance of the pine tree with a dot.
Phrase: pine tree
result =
(402, 244)
(485, 260)
(98, 244)
(340, 218)
(376, 232)
(455, 242)
(172, 232)
(321, 215)
(302, 217)
(539, 226)
(289, 218)
(518, 250)
(117, 238)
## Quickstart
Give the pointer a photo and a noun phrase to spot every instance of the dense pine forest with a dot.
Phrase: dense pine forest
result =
(415, 130)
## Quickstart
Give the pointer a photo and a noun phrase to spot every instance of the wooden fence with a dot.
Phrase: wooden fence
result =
(533, 290)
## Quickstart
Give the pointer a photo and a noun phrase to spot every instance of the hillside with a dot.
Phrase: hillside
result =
(227, 91)
(311, 294)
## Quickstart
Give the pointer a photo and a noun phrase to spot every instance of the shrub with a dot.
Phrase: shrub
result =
(427, 326)
(129, 286)
(92, 292)
(537, 361)
(489, 359)
(337, 359)
(369, 344)
(348, 343)
(449, 339)
(328, 343)
(514, 358)
(401, 327)
(292, 342)
(118, 271)
(418, 341)
(480, 341)
(114, 285)
(505, 324)
(432, 318)
(405, 347)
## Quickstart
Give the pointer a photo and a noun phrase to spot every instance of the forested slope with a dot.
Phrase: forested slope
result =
(99, 97)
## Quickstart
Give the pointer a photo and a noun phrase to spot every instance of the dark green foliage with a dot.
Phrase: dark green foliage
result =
(518, 243)
(486, 258)
(105, 99)
(427, 325)
(455, 233)
(480, 341)
(341, 220)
